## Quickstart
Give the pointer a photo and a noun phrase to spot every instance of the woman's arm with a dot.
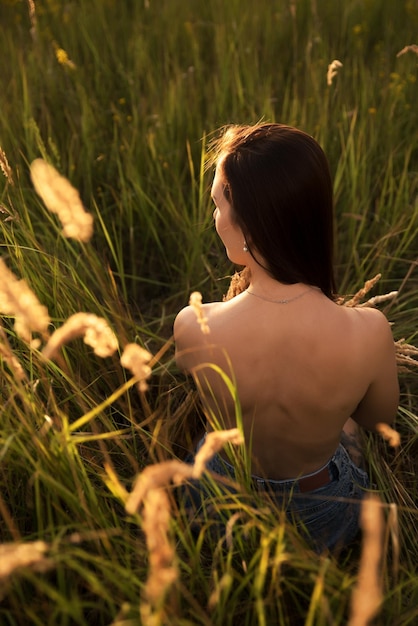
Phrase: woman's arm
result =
(380, 402)
(181, 323)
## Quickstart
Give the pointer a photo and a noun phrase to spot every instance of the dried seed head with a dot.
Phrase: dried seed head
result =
(155, 477)
(17, 299)
(100, 337)
(16, 555)
(32, 14)
(368, 285)
(5, 167)
(392, 436)
(173, 471)
(412, 48)
(94, 330)
(214, 441)
(149, 492)
(156, 524)
(195, 302)
(406, 356)
(136, 359)
(239, 282)
(380, 299)
(60, 197)
(333, 68)
(12, 361)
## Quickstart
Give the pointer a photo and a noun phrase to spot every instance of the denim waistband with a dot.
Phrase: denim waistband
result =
(219, 465)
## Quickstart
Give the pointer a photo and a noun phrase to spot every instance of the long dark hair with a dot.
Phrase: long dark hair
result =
(279, 185)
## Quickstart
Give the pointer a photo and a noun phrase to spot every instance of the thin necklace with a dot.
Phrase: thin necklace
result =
(285, 301)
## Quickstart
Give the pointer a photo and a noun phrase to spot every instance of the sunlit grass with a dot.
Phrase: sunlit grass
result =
(121, 99)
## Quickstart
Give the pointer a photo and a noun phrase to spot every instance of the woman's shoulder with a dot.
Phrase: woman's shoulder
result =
(370, 319)
(191, 330)
(192, 316)
(373, 330)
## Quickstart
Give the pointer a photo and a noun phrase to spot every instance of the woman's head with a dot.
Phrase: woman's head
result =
(278, 183)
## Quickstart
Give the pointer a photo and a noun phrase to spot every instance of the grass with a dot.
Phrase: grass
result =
(122, 97)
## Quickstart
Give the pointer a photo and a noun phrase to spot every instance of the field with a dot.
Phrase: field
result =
(121, 97)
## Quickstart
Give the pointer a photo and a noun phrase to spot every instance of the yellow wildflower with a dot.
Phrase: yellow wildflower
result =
(62, 58)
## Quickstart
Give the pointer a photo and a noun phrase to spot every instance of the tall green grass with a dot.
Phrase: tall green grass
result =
(127, 119)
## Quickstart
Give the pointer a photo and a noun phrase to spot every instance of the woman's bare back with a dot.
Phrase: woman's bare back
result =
(301, 370)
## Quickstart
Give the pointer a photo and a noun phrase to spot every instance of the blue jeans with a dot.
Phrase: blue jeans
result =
(328, 515)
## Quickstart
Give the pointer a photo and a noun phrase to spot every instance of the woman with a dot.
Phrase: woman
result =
(302, 364)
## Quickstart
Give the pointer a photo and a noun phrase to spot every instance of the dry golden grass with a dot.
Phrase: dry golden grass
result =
(149, 491)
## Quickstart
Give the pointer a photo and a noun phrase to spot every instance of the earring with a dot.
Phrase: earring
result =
(245, 247)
